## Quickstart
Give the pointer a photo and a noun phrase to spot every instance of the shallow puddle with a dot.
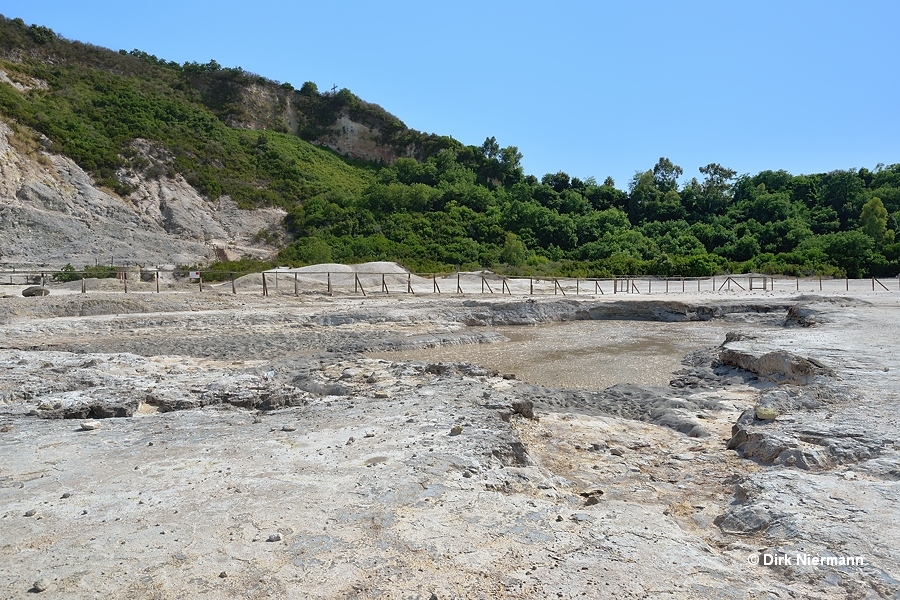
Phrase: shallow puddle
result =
(589, 355)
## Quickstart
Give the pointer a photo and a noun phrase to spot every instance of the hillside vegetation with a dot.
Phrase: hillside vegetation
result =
(428, 201)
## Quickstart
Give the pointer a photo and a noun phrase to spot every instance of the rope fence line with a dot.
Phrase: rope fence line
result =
(478, 283)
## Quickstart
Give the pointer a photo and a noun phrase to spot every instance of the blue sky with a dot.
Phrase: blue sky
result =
(589, 88)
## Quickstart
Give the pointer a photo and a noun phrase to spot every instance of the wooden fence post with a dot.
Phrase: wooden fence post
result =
(265, 287)
(233, 289)
(558, 287)
(296, 285)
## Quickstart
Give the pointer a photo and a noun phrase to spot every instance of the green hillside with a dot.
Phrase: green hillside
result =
(452, 205)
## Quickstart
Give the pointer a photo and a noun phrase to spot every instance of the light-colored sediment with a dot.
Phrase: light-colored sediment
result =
(257, 419)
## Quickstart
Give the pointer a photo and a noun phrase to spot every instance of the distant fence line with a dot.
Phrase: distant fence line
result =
(331, 282)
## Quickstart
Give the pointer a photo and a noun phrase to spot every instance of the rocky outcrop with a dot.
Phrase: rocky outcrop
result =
(779, 366)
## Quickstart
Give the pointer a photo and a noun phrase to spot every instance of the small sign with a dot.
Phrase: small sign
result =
(194, 274)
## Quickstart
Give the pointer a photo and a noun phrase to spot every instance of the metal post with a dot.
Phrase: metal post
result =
(265, 287)
(409, 289)
(82, 283)
(201, 281)
(848, 284)
(157, 281)
(296, 286)
(667, 285)
(531, 286)
(576, 286)
(125, 279)
(233, 289)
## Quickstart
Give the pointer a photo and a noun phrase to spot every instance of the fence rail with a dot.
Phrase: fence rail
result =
(297, 282)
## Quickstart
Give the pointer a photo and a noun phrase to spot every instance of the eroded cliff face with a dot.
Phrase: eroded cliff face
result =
(356, 140)
(261, 107)
(51, 213)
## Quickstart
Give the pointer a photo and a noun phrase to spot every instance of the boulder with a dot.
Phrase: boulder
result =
(35, 290)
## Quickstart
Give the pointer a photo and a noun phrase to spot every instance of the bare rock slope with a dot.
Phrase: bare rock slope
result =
(51, 213)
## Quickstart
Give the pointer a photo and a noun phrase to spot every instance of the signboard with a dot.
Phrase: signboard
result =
(194, 274)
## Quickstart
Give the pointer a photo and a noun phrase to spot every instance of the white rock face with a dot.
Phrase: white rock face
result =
(51, 213)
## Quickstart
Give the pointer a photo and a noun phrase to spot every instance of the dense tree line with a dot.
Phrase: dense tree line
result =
(474, 207)
(454, 205)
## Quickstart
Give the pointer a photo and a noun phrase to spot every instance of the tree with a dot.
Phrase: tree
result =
(873, 221)
(309, 89)
(849, 250)
(841, 191)
(644, 193)
(559, 181)
(511, 165)
(666, 174)
(716, 189)
(514, 251)
(490, 148)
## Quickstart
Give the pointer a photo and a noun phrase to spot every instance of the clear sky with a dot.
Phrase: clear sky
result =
(591, 88)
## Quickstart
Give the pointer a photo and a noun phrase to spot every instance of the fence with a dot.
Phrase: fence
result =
(297, 281)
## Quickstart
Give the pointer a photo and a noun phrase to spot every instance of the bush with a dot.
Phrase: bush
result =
(66, 274)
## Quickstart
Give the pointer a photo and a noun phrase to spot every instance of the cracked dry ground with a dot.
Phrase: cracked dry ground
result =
(374, 478)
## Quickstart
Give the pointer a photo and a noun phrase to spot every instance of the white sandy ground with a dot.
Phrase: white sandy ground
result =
(371, 495)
